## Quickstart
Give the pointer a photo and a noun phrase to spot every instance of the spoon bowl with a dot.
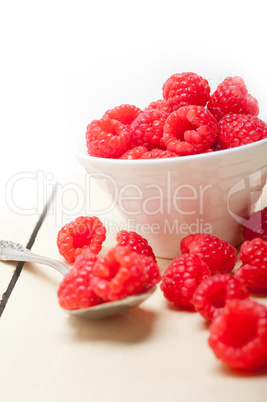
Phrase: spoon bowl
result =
(111, 308)
(10, 251)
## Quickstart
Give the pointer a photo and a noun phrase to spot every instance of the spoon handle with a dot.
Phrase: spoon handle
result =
(10, 251)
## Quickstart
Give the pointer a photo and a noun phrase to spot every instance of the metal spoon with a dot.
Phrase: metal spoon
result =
(10, 251)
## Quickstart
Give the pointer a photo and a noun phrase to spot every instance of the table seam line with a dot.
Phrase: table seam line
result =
(20, 264)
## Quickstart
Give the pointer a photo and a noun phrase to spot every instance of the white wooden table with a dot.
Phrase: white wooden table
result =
(153, 352)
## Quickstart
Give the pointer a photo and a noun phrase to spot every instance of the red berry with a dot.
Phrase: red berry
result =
(213, 293)
(253, 271)
(147, 129)
(185, 89)
(74, 291)
(216, 147)
(238, 129)
(157, 153)
(126, 114)
(256, 225)
(123, 272)
(238, 336)
(134, 153)
(137, 243)
(107, 138)
(231, 96)
(84, 234)
(181, 279)
(160, 104)
(219, 255)
(190, 130)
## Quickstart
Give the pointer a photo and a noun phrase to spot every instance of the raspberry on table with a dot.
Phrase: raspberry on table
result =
(240, 129)
(157, 153)
(256, 225)
(190, 130)
(125, 113)
(84, 234)
(185, 89)
(181, 279)
(74, 291)
(137, 243)
(147, 129)
(213, 293)
(160, 104)
(238, 336)
(253, 272)
(134, 153)
(123, 272)
(231, 96)
(218, 254)
(107, 138)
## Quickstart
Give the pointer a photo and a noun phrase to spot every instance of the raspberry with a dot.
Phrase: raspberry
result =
(190, 130)
(137, 243)
(238, 336)
(134, 153)
(160, 104)
(253, 271)
(231, 96)
(185, 89)
(123, 272)
(216, 147)
(256, 225)
(107, 138)
(84, 234)
(217, 254)
(74, 291)
(238, 129)
(181, 279)
(147, 129)
(212, 294)
(125, 114)
(157, 153)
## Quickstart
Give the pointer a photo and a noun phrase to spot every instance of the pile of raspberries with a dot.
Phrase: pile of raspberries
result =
(200, 279)
(188, 120)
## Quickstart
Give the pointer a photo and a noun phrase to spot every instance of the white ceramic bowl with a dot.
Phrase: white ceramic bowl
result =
(164, 200)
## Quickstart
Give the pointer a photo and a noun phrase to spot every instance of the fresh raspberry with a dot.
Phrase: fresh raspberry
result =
(134, 153)
(125, 114)
(181, 279)
(84, 234)
(107, 138)
(190, 130)
(74, 291)
(147, 129)
(137, 243)
(157, 153)
(219, 255)
(216, 147)
(207, 151)
(238, 336)
(256, 225)
(160, 104)
(186, 89)
(212, 294)
(253, 271)
(123, 272)
(240, 129)
(231, 96)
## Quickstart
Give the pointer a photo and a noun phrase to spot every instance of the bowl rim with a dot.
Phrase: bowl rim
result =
(81, 153)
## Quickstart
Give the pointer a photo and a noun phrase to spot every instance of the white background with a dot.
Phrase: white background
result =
(64, 63)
